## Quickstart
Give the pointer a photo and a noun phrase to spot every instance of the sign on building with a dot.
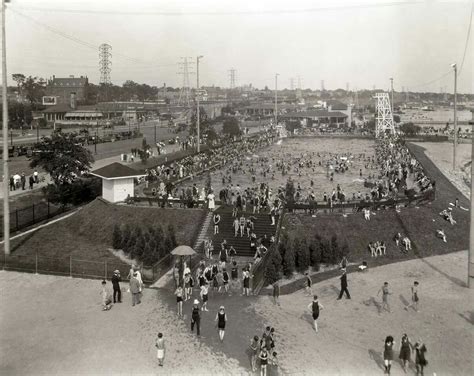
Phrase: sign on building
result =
(50, 101)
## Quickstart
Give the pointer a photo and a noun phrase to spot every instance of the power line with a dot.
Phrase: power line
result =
(224, 13)
(77, 40)
(432, 81)
(467, 40)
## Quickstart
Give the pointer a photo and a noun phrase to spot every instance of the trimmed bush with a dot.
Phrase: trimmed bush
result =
(117, 237)
(289, 262)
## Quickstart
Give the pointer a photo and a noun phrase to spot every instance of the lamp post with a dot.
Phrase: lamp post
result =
(276, 99)
(455, 139)
(6, 175)
(198, 120)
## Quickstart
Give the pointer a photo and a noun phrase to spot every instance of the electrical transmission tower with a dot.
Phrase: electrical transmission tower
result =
(384, 119)
(105, 63)
(299, 95)
(185, 92)
(322, 85)
(232, 77)
(292, 84)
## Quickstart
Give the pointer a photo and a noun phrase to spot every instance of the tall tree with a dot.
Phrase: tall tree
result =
(63, 157)
(33, 88)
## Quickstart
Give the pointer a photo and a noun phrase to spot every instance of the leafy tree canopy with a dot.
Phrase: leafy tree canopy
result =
(62, 156)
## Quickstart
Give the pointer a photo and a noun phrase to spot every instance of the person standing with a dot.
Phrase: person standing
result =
(254, 345)
(276, 293)
(221, 319)
(31, 182)
(204, 297)
(160, 352)
(414, 297)
(35, 176)
(196, 318)
(388, 353)
(225, 280)
(12, 183)
(263, 361)
(405, 351)
(116, 285)
(135, 289)
(344, 289)
(309, 284)
(23, 181)
(315, 308)
(216, 219)
(420, 359)
(211, 201)
(385, 293)
(246, 280)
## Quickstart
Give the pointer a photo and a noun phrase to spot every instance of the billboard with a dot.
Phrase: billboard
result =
(50, 101)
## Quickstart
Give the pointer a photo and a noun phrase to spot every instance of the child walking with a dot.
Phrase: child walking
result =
(221, 319)
(414, 297)
(160, 353)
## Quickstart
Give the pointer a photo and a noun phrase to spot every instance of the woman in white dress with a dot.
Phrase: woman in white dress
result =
(211, 201)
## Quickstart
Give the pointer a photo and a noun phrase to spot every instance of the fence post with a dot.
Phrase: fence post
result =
(16, 219)
(34, 214)
(36, 263)
(70, 266)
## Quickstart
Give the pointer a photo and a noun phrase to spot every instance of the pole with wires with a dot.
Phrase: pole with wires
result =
(6, 175)
(455, 138)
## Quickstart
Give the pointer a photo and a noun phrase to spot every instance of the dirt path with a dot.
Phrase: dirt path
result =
(350, 340)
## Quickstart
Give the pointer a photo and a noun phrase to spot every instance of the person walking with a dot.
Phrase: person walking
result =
(246, 280)
(135, 289)
(216, 219)
(414, 297)
(204, 296)
(116, 279)
(420, 359)
(160, 352)
(344, 289)
(179, 300)
(315, 308)
(388, 353)
(385, 293)
(31, 181)
(221, 319)
(196, 318)
(405, 351)
(23, 181)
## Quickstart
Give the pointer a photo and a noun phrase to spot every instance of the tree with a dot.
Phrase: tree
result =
(335, 251)
(126, 231)
(290, 191)
(410, 129)
(170, 241)
(33, 88)
(315, 252)
(19, 79)
(62, 156)
(231, 127)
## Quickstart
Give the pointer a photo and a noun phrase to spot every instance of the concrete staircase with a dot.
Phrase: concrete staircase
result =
(262, 226)
(203, 234)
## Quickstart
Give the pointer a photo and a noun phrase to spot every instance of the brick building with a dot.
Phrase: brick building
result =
(62, 88)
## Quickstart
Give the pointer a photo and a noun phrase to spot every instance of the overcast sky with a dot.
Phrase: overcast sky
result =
(362, 43)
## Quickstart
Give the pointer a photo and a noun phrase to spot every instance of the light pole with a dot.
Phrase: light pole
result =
(6, 175)
(276, 99)
(198, 120)
(454, 66)
(470, 264)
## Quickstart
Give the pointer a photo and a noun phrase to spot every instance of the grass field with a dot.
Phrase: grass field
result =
(87, 234)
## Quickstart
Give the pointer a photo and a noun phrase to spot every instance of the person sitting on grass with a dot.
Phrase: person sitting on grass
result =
(448, 215)
(407, 243)
(397, 238)
(440, 234)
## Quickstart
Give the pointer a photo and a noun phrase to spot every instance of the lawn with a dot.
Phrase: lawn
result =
(87, 234)
(418, 223)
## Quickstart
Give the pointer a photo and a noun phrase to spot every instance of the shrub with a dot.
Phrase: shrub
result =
(283, 245)
(335, 251)
(117, 237)
(289, 262)
(325, 248)
(315, 252)
(301, 255)
(126, 231)
(170, 241)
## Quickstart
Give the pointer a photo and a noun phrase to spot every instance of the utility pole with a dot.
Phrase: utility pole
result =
(198, 120)
(470, 263)
(391, 90)
(455, 115)
(6, 174)
(276, 99)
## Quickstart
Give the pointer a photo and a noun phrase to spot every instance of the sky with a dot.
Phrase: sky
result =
(362, 43)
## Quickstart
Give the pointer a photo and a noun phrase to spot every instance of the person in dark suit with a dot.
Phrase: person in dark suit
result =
(344, 285)
(116, 285)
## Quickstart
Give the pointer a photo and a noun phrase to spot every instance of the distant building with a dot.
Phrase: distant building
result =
(62, 88)
(317, 118)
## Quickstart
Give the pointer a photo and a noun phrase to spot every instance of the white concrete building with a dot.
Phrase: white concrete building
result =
(117, 181)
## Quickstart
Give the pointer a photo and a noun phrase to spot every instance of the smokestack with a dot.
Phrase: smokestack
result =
(73, 101)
